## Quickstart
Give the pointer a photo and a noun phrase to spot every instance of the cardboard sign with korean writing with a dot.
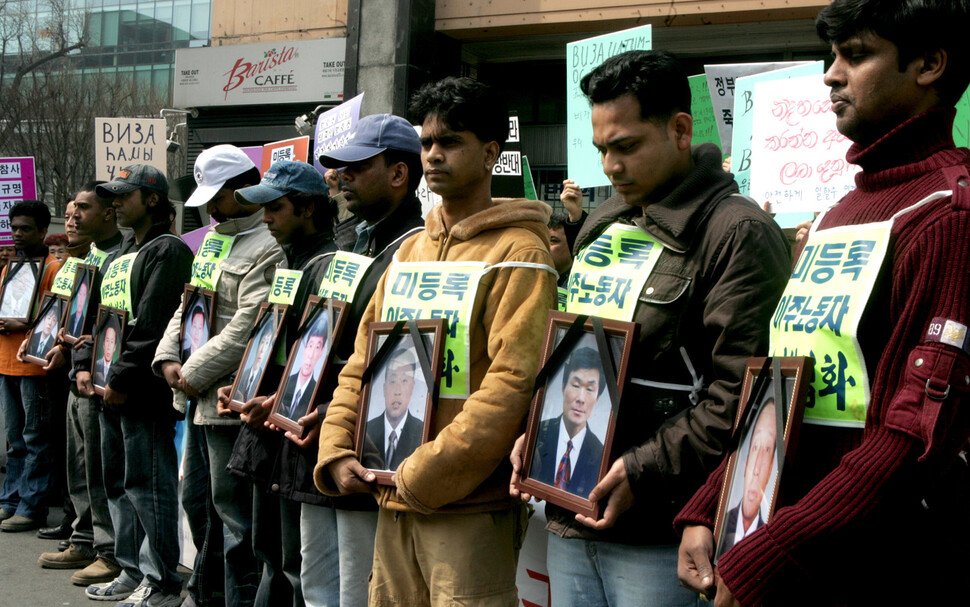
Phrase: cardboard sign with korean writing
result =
(17, 182)
(343, 276)
(284, 286)
(95, 257)
(334, 128)
(701, 109)
(64, 279)
(721, 82)
(116, 285)
(119, 142)
(297, 148)
(207, 264)
(608, 275)
(582, 57)
(819, 315)
(444, 289)
(797, 153)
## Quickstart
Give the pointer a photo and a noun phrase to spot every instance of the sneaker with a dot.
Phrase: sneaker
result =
(100, 571)
(19, 523)
(147, 596)
(72, 558)
(115, 590)
(5, 514)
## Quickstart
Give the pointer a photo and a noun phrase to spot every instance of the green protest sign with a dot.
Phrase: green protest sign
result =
(530, 185)
(961, 125)
(582, 57)
(701, 108)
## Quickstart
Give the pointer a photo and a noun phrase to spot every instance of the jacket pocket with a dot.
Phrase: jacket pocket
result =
(663, 301)
(233, 273)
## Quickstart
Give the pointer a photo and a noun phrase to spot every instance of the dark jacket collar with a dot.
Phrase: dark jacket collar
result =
(407, 215)
(675, 220)
(299, 253)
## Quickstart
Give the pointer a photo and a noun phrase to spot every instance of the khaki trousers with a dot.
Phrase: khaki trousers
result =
(447, 559)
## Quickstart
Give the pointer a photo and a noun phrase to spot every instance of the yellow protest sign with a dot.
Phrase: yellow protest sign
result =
(95, 257)
(64, 279)
(343, 276)
(116, 286)
(444, 289)
(608, 275)
(284, 287)
(207, 265)
(819, 315)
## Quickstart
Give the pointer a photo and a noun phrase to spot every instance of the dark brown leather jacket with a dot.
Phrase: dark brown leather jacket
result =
(712, 292)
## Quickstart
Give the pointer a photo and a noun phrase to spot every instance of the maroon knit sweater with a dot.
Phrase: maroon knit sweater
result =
(846, 487)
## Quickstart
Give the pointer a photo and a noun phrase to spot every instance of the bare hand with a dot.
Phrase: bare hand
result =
(22, 350)
(256, 410)
(186, 387)
(615, 488)
(571, 198)
(516, 458)
(802, 229)
(9, 325)
(222, 404)
(694, 560)
(56, 358)
(350, 476)
(114, 399)
(84, 384)
(724, 598)
(312, 421)
(332, 177)
(172, 372)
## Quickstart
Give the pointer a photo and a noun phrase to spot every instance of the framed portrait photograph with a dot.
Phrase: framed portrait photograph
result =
(569, 433)
(77, 306)
(198, 310)
(44, 334)
(18, 291)
(769, 415)
(398, 393)
(308, 362)
(258, 355)
(109, 329)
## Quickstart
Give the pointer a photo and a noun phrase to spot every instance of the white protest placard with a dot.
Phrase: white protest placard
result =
(720, 80)
(119, 142)
(797, 155)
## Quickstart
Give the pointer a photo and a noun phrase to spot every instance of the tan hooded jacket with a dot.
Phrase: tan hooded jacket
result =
(465, 467)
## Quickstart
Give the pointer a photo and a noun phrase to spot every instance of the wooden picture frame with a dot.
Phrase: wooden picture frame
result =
(398, 369)
(76, 314)
(109, 331)
(195, 327)
(320, 329)
(43, 336)
(18, 290)
(585, 364)
(760, 446)
(263, 343)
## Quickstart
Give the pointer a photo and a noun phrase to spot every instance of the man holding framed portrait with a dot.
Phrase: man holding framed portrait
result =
(24, 395)
(394, 432)
(703, 268)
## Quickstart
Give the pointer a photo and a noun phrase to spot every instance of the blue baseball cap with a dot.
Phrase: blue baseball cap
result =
(374, 135)
(283, 177)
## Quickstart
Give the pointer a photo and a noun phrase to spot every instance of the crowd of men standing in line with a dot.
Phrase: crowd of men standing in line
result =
(283, 518)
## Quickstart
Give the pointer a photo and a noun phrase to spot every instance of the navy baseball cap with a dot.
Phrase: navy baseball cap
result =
(131, 178)
(373, 135)
(283, 177)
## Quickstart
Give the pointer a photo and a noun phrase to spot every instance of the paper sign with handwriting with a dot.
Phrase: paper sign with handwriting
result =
(797, 155)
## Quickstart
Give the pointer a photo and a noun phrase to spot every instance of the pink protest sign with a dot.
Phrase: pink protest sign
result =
(797, 155)
(16, 183)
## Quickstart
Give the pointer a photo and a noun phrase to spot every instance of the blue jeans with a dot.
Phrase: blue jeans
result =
(232, 498)
(26, 417)
(206, 584)
(585, 573)
(338, 553)
(142, 490)
(92, 525)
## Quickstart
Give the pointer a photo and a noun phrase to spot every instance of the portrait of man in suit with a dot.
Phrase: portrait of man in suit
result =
(298, 392)
(195, 333)
(567, 453)
(75, 318)
(394, 433)
(746, 514)
(107, 350)
(42, 339)
(255, 363)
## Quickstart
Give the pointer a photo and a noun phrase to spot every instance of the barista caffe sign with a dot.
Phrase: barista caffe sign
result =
(249, 74)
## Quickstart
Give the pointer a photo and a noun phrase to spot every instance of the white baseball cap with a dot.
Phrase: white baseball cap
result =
(213, 168)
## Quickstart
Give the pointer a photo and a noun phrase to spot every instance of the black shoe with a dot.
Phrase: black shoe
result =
(61, 532)
(63, 545)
